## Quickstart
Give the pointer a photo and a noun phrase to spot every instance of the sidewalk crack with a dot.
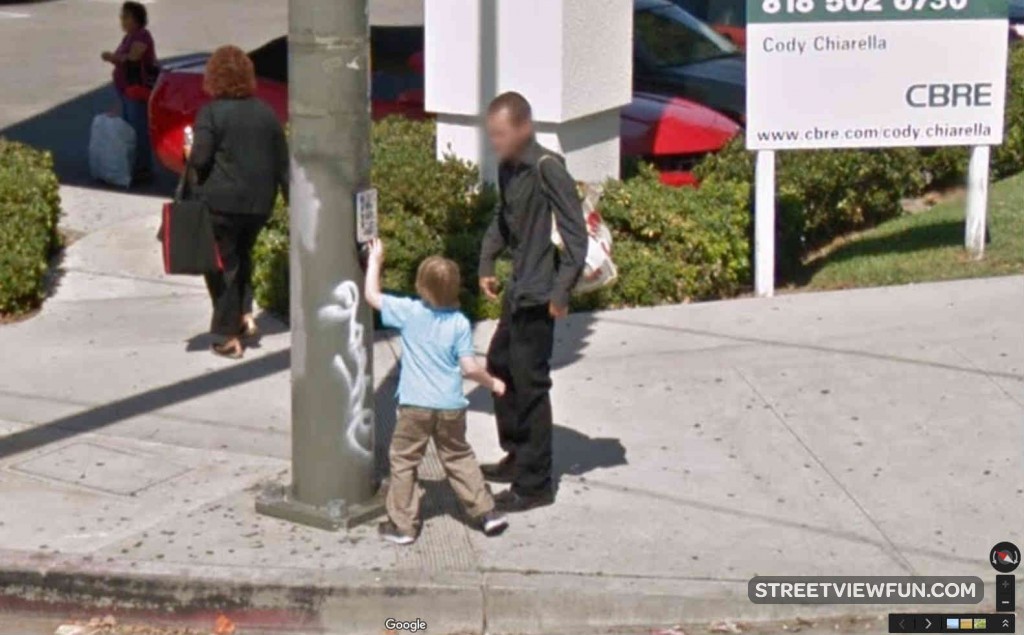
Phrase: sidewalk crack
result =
(893, 550)
(988, 376)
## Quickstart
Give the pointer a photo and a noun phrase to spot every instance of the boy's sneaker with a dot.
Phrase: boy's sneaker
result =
(493, 524)
(390, 532)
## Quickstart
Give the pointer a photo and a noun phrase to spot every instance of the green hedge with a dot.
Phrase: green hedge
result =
(675, 244)
(672, 244)
(823, 194)
(1008, 159)
(426, 207)
(29, 213)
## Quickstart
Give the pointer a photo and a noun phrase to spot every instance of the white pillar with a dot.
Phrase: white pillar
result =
(764, 225)
(571, 58)
(977, 201)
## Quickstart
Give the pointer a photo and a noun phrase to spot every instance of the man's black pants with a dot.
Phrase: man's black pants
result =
(231, 289)
(520, 355)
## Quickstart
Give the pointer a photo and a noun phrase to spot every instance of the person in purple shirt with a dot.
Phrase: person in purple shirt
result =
(135, 72)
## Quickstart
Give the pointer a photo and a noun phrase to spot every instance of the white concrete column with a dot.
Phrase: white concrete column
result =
(571, 58)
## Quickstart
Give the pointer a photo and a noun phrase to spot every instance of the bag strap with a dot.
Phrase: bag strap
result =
(180, 189)
(540, 173)
(183, 190)
(547, 192)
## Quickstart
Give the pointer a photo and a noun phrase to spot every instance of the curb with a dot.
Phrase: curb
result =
(350, 602)
(284, 600)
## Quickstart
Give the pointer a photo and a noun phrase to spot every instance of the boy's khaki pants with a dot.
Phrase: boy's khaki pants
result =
(415, 428)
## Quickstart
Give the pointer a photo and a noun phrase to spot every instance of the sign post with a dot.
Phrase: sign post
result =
(977, 201)
(764, 225)
(877, 74)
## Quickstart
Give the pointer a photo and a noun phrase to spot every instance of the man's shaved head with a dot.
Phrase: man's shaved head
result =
(509, 124)
(517, 107)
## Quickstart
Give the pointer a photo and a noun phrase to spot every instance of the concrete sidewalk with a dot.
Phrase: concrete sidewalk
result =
(869, 432)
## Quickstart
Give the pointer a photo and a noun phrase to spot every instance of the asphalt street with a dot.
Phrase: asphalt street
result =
(54, 82)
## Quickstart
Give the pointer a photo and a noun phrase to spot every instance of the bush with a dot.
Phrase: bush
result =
(1008, 159)
(425, 207)
(672, 244)
(270, 263)
(823, 194)
(29, 213)
(675, 244)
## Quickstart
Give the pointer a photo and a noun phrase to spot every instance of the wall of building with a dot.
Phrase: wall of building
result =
(571, 58)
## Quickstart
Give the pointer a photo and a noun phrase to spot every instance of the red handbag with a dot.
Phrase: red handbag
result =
(138, 92)
(140, 79)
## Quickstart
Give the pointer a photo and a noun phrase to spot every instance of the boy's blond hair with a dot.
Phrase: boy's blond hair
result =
(438, 282)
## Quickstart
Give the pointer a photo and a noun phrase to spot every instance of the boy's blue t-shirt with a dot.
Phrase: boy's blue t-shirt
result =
(433, 342)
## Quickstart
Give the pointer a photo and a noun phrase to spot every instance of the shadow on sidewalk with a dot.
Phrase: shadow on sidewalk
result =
(99, 417)
(267, 324)
(64, 131)
(142, 403)
(577, 454)
(574, 452)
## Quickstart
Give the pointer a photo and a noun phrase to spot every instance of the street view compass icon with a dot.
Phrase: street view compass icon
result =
(1005, 557)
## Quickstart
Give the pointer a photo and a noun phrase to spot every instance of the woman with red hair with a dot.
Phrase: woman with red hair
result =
(240, 156)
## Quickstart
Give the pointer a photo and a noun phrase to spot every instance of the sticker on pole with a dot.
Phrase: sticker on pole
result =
(875, 73)
(366, 215)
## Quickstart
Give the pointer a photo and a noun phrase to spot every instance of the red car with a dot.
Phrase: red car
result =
(670, 132)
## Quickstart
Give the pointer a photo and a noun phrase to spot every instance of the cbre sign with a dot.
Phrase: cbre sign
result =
(875, 73)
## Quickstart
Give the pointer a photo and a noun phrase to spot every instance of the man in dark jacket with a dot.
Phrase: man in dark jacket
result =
(537, 196)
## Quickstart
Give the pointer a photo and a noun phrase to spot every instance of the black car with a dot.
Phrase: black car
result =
(1017, 20)
(728, 17)
(674, 53)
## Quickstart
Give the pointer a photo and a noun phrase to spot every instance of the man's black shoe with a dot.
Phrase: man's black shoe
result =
(510, 503)
(500, 472)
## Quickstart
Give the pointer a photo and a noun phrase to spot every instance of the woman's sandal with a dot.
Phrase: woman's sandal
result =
(226, 349)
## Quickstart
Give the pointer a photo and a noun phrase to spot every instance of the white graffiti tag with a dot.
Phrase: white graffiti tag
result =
(350, 365)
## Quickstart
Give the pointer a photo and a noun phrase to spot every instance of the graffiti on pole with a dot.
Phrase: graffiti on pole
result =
(351, 365)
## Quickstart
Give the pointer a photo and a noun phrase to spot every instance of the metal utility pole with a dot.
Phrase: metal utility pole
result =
(333, 483)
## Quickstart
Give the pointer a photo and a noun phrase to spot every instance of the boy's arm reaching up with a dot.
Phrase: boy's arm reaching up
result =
(473, 369)
(374, 297)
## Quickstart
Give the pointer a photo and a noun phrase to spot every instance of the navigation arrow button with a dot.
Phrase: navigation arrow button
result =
(901, 623)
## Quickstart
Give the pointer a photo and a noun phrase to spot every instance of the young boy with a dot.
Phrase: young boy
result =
(437, 351)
